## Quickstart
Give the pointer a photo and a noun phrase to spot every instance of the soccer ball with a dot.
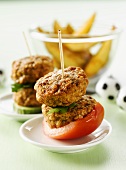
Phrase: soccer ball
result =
(108, 88)
(2, 76)
(121, 99)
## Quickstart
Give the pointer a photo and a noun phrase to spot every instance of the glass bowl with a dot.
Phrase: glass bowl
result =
(93, 51)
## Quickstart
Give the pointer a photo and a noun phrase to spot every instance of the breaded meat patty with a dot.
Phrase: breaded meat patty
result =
(56, 118)
(30, 69)
(55, 90)
(26, 97)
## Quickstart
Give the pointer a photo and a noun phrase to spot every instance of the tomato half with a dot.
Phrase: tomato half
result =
(79, 128)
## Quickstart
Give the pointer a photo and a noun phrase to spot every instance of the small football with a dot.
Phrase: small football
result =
(108, 88)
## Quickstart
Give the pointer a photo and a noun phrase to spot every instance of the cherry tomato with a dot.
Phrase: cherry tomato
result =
(78, 128)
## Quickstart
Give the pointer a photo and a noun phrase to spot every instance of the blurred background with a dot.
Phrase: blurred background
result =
(19, 16)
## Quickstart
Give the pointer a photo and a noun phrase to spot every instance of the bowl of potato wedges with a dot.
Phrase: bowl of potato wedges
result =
(90, 45)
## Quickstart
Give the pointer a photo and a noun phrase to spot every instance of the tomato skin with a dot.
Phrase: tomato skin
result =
(78, 128)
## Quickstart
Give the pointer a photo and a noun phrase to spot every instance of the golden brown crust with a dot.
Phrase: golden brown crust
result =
(81, 108)
(30, 69)
(53, 90)
(26, 97)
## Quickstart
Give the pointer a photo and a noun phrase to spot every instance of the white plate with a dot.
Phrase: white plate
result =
(6, 108)
(31, 131)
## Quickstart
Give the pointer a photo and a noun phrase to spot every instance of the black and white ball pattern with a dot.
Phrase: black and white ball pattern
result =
(121, 99)
(108, 88)
(2, 76)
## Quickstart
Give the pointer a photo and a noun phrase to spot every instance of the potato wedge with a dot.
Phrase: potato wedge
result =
(78, 59)
(56, 27)
(99, 60)
(69, 29)
(85, 28)
(64, 30)
(39, 29)
(79, 46)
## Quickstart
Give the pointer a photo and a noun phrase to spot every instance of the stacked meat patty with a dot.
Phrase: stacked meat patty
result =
(63, 99)
(25, 72)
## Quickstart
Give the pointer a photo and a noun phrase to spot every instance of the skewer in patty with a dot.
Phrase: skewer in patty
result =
(55, 90)
(25, 72)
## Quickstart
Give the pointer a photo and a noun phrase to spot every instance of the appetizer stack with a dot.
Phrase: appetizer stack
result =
(25, 72)
(68, 112)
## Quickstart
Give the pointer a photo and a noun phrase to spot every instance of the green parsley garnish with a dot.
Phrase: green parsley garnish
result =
(61, 109)
(16, 86)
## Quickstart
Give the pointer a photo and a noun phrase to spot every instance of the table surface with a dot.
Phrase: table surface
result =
(16, 154)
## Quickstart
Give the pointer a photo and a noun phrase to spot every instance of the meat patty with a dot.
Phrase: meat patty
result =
(26, 97)
(78, 111)
(53, 90)
(30, 69)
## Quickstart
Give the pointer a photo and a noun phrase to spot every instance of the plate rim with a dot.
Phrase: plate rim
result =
(59, 147)
(14, 115)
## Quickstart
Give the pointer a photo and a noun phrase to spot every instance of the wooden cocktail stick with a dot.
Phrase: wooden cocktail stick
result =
(61, 53)
(27, 45)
